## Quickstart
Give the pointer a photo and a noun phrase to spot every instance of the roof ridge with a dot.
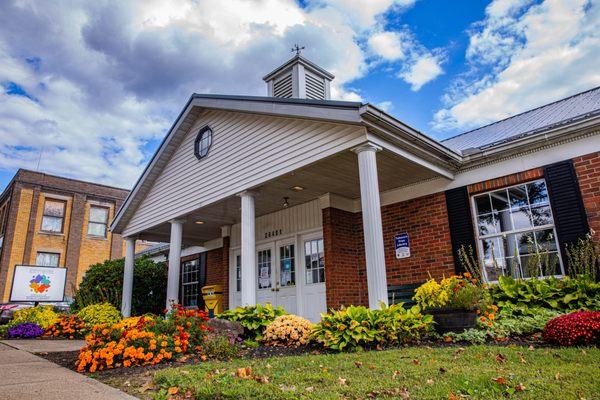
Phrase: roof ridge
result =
(522, 113)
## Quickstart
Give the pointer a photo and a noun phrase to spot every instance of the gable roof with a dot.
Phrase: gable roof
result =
(571, 109)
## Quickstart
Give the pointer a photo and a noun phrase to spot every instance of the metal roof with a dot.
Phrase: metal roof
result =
(561, 112)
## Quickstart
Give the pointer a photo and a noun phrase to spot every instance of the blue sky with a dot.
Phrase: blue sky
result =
(88, 89)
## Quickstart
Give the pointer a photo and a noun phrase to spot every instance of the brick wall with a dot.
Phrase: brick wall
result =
(588, 173)
(426, 221)
(345, 275)
(508, 180)
(217, 269)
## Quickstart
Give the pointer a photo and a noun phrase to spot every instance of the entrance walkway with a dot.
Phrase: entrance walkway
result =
(25, 376)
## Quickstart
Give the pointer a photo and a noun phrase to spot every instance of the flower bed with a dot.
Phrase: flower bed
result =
(143, 341)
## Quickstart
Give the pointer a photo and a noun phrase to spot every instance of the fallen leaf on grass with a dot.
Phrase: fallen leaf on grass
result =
(268, 366)
(285, 388)
(442, 370)
(430, 381)
(127, 383)
(261, 379)
(557, 376)
(146, 386)
(173, 390)
(416, 362)
(184, 372)
(243, 373)
(519, 388)
(310, 389)
(342, 381)
(371, 366)
(404, 393)
(521, 358)
(396, 374)
(531, 347)
(203, 357)
(500, 358)
(358, 364)
(499, 380)
(452, 396)
(447, 339)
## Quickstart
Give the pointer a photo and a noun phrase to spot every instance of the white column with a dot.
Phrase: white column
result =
(128, 277)
(248, 250)
(372, 226)
(174, 263)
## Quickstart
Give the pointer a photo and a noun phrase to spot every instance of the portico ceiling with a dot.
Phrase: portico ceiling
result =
(336, 175)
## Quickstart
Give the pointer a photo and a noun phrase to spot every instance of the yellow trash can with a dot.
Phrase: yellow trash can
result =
(213, 299)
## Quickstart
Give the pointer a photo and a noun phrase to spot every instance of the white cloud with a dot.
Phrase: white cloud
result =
(424, 70)
(106, 78)
(533, 54)
(387, 45)
(386, 106)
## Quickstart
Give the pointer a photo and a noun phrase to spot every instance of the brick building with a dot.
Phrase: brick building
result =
(53, 221)
(309, 203)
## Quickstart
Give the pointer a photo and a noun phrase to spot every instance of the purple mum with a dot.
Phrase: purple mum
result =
(26, 330)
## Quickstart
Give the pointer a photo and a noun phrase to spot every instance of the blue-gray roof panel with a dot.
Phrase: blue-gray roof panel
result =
(572, 108)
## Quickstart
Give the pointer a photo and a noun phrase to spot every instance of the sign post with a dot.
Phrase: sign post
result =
(38, 284)
(402, 245)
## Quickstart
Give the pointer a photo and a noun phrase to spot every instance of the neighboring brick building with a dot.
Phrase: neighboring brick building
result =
(55, 221)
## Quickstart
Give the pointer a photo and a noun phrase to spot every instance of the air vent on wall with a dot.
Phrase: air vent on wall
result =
(283, 87)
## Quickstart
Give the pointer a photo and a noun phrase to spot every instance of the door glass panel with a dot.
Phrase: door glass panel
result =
(314, 261)
(190, 283)
(287, 267)
(264, 269)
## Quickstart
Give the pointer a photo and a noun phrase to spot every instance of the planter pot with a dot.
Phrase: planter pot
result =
(453, 319)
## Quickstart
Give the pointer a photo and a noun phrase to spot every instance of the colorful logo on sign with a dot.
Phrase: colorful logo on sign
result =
(40, 283)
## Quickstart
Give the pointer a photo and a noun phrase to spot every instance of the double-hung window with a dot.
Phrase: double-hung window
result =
(314, 255)
(53, 216)
(46, 259)
(98, 221)
(515, 232)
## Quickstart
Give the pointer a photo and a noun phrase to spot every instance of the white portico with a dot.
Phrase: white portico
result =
(247, 178)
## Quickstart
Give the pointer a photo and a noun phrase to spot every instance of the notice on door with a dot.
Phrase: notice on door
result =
(43, 284)
(402, 245)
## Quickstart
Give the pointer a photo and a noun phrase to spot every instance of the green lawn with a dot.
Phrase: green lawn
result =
(481, 372)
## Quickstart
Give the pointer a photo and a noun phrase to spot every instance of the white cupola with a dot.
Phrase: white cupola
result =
(299, 78)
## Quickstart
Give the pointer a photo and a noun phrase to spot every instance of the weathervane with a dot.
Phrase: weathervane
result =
(297, 49)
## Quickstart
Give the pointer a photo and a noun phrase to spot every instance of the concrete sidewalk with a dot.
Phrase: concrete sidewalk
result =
(24, 376)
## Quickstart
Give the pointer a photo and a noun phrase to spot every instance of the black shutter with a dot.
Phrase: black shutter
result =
(461, 222)
(570, 219)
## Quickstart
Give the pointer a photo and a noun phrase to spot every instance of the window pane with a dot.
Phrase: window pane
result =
(521, 218)
(52, 224)
(525, 243)
(486, 224)
(264, 269)
(238, 272)
(54, 208)
(518, 196)
(504, 222)
(47, 259)
(541, 215)
(96, 229)
(499, 200)
(99, 214)
(482, 204)
(546, 240)
(287, 269)
(537, 192)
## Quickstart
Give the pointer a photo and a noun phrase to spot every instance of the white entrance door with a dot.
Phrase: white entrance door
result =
(265, 288)
(285, 279)
(314, 301)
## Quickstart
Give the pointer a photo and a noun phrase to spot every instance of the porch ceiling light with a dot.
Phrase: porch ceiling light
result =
(297, 188)
(200, 222)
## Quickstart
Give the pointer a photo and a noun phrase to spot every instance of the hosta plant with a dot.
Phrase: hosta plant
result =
(567, 294)
(359, 327)
(288, 331)
(581, 327)
(97, 314)
(254, 319)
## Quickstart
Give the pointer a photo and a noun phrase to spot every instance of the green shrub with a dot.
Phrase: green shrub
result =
(103, 282)
(4, 331)
(98, 314)
(584, 259)
(220, 347)
(519, 295)
(44, 316)
(254, 319)
(359, 327)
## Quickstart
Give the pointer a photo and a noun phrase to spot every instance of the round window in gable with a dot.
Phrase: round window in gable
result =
(203, 142)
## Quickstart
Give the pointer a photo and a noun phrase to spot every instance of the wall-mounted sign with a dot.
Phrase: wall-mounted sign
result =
(402, 245)
(42, 284)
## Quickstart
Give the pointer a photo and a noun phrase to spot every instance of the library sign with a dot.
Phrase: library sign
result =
(38, 284)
